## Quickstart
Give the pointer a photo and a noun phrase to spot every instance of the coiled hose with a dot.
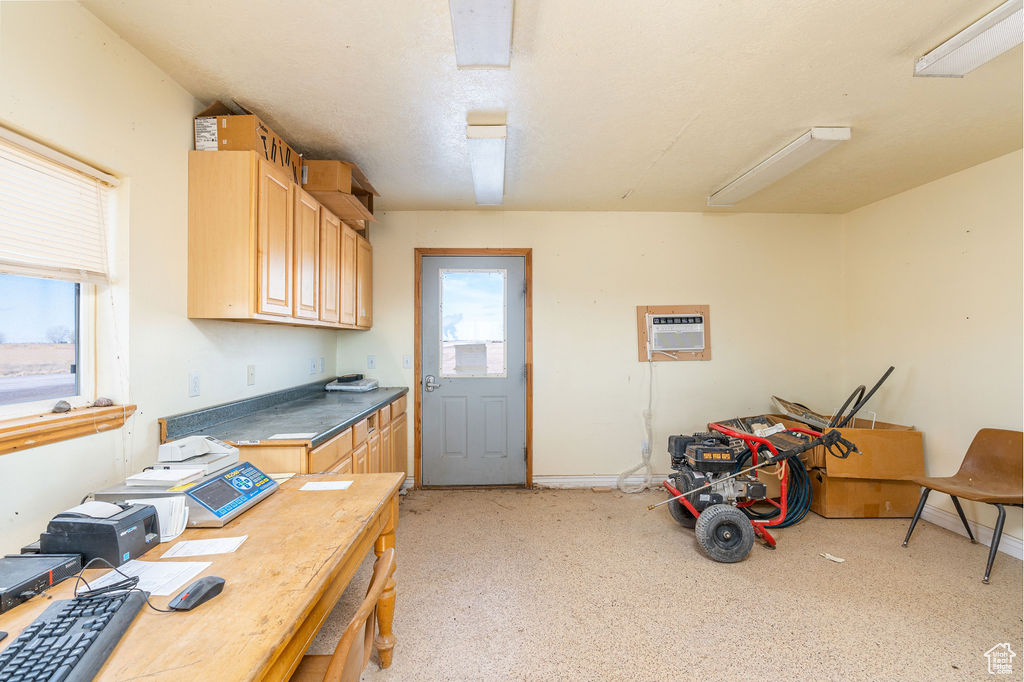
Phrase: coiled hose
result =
(798, 494)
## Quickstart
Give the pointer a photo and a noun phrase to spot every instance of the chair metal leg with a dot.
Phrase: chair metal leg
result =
(917, 514)
(997, 535)
(960, 511)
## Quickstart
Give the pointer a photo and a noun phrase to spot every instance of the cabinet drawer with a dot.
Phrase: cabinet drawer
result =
(398, 407)
(384, 416)
(359, 432)
(327, 455)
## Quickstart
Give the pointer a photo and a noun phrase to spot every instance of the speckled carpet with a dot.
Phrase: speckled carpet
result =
(579, 585)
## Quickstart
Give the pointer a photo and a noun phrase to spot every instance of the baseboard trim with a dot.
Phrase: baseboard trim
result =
(591, 481)
(983, 534)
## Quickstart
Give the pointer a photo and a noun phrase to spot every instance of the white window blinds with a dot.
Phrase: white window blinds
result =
(53, 213)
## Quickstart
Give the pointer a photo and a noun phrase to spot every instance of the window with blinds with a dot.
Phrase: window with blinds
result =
(54, 218)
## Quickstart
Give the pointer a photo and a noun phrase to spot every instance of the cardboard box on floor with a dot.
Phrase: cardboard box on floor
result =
(218, 128)
(872, 484)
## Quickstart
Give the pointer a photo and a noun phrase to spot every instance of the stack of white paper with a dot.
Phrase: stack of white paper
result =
(159, 578)
(172, 513)
(201, 547)
(168, 478)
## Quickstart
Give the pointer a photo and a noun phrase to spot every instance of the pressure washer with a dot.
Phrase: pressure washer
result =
(709, 488)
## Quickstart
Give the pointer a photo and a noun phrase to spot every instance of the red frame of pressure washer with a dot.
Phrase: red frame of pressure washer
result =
(754, 443)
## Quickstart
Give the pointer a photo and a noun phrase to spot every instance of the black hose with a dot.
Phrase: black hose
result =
(856, 408)
(798, 494)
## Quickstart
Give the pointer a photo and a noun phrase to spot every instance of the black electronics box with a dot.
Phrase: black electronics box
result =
(23, 576)
(119, 538)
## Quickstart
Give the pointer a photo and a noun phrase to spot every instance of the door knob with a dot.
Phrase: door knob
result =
(428, 383)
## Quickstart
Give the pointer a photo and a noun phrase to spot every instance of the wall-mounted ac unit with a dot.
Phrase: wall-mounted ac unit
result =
(675, 332)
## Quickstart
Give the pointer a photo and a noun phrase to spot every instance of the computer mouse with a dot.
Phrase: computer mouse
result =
(198, 592)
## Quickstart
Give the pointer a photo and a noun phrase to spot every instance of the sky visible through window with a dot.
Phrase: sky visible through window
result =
(473, 305)
(36, 310)
(38, 339)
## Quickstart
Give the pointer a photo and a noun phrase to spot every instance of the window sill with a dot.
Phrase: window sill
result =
(29, 432)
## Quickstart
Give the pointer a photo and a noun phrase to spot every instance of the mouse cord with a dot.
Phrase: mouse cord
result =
(129, 584)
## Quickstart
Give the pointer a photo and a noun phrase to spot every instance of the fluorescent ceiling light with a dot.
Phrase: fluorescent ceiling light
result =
(984, 40)
(483, 33)
(807, 147)
(487, 160)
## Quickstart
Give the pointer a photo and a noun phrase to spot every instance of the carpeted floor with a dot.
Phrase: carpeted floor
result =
(580, 585)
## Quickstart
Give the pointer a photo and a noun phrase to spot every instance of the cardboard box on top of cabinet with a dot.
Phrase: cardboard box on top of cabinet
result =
(219, 128)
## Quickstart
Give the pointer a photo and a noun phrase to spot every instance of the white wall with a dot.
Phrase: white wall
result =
(67, 80)
(935, 288)
(771, 282)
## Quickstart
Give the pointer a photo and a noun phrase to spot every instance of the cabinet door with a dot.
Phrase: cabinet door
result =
(359, 459)
(399, 443)
(364, 283)
(386, 463)
(330, 266)
(373, 454)
(342, 467)
(307, 256)
(274, 228)
(348, 275)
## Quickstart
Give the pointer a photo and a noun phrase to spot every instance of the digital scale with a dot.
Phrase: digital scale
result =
(213, 500)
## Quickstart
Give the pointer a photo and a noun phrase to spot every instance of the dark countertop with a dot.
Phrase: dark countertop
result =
(324, 413)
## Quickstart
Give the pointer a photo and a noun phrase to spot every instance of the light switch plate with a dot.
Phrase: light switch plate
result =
(250, 375)
(193, 384)
(320, 365)
(371, 362)
(406, 362)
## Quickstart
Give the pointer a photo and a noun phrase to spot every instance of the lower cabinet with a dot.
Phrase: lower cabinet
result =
(377, 444)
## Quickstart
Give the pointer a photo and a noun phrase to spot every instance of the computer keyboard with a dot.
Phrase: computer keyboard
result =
(71, 639)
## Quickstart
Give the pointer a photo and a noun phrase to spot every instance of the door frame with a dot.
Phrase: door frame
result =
(527, 255)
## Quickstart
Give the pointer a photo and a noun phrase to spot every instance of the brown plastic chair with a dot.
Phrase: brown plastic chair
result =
(990, 473)
(352, 654)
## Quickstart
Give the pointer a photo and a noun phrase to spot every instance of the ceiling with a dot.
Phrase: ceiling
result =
(610, 106)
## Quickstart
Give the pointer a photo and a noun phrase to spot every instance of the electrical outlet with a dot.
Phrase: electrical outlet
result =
(406, 362)
(371, 362)
(321, 366)
(312, 365)
(250, 375)
(193, 384)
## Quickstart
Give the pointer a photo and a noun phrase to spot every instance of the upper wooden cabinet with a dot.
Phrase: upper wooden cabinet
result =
(364, 283)
(330, 267)
(348, 275)
(307, 256)
(260, 248)
(274, 229)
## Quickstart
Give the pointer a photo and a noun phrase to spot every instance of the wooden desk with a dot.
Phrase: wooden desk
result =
(302, 550)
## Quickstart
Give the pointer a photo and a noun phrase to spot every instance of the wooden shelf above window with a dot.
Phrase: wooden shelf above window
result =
(29, 432)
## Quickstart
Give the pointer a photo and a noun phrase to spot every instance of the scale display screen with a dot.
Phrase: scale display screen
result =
(232, 489)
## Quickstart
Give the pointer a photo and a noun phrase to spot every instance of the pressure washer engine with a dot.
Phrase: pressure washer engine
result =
(708, 487)
(704, 459)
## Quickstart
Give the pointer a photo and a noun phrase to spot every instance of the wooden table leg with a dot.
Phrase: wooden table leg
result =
(385, 639)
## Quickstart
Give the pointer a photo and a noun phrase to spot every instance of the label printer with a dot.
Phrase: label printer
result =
(117, 533)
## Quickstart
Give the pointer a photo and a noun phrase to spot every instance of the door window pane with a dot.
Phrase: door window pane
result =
(38, 339)
(473, 323)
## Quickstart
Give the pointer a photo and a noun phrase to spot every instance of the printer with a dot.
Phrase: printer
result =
(115, 532)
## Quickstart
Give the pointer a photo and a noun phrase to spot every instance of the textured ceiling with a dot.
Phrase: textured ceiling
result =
(610, 106)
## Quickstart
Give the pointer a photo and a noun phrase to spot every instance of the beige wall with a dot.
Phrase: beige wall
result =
(67, 80)
(590, 271)
(935, 288)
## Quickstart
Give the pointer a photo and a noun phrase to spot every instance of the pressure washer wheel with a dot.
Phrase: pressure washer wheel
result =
(724, 533)
(683, 482)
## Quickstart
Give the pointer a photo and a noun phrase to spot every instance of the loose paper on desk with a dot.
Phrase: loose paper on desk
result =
(292, 436)
(326, 485)
(161, 579)
(201, 547)
(172, 512)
